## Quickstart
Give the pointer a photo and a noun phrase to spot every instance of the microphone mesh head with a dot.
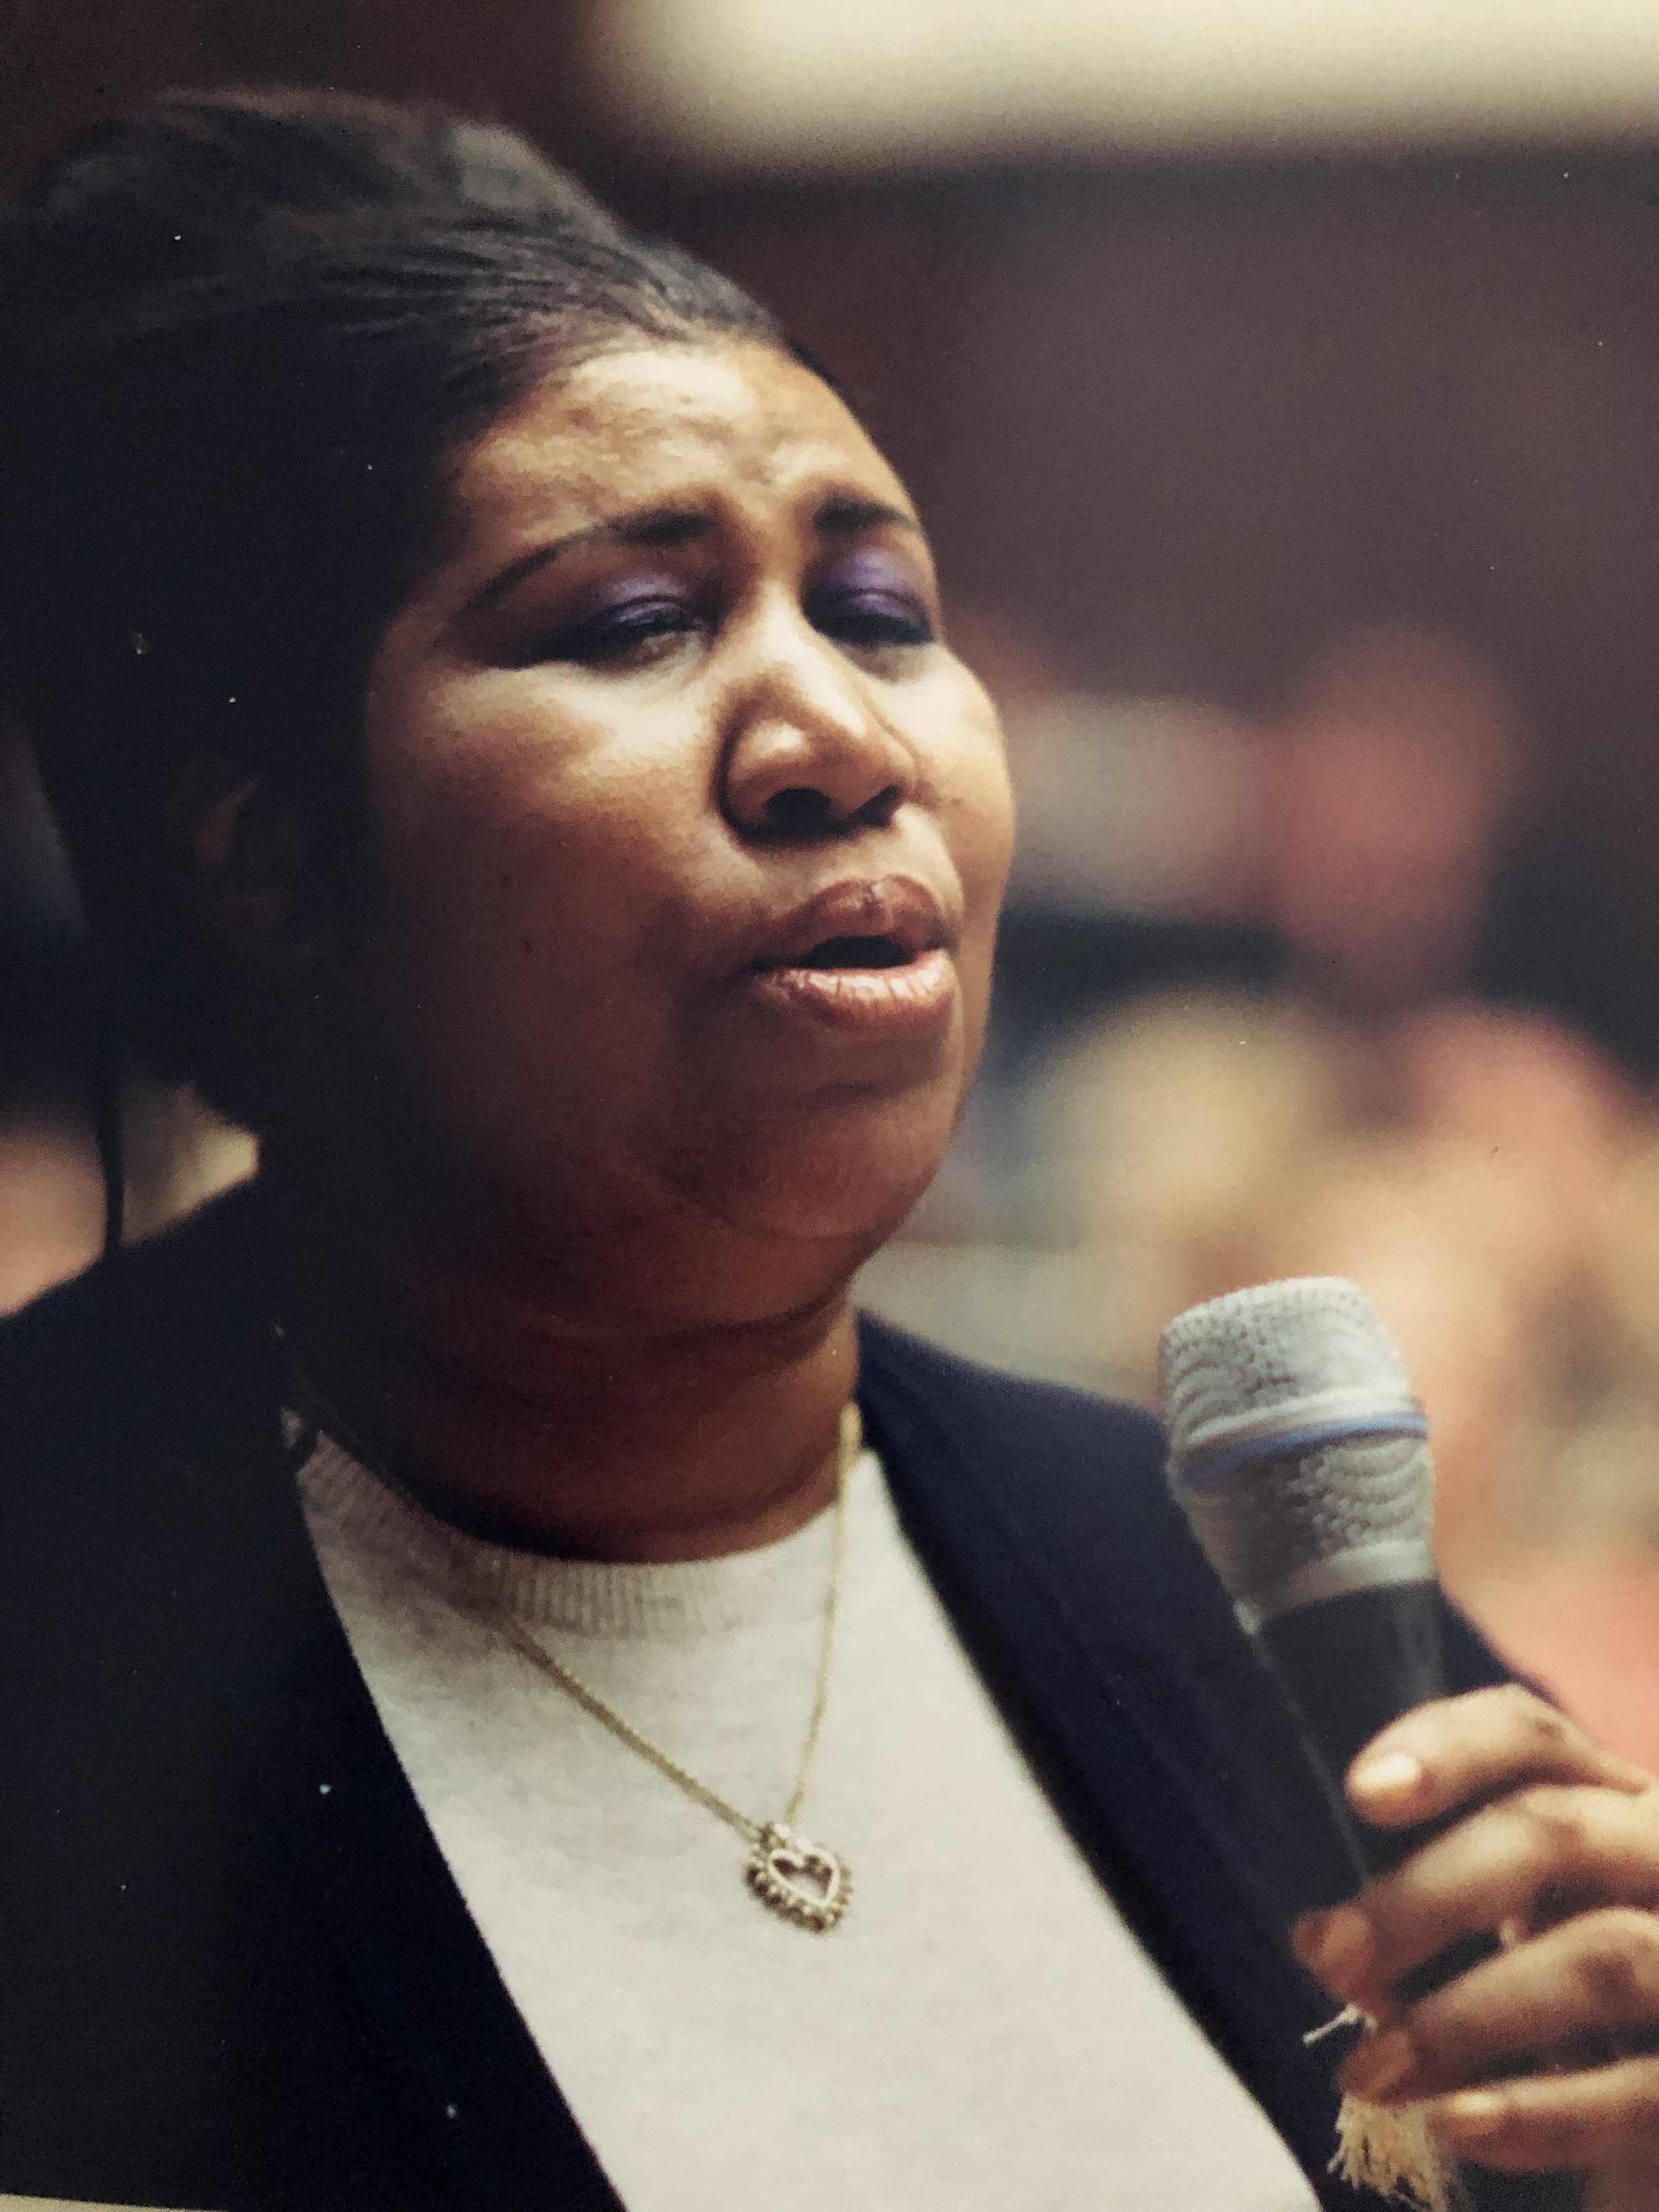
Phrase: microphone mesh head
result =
(1285, 1406)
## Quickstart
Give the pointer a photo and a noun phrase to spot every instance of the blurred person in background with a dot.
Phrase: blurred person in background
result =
(1472, 1164)
(471, 1601)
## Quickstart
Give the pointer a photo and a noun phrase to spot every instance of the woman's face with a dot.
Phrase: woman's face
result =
(690, 832)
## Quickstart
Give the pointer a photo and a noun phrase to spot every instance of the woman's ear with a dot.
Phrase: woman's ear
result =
(247, 862)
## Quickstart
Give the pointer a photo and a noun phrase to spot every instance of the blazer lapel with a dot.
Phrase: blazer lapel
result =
(332, 1783)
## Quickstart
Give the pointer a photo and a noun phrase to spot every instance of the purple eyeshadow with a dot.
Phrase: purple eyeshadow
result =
(871, 571)
(639, 591)
(870, 598)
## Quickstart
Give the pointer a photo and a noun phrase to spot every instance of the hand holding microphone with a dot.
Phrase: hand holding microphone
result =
(1297, 1453)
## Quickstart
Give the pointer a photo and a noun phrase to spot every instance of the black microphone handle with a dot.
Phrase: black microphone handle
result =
(1350, 1665)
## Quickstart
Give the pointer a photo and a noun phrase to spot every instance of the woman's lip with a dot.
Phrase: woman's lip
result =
(901, 910)
(874, 1002)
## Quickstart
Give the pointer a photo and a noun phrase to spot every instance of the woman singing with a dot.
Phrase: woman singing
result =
(511, 1695)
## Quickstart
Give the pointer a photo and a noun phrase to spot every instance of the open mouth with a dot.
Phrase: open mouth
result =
(840, 952)
(871, 958)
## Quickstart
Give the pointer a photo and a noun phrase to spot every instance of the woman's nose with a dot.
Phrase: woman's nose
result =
(808, 755)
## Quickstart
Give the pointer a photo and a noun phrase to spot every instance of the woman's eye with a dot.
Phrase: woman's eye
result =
(870, 618)
(621, 631)
(634, 630)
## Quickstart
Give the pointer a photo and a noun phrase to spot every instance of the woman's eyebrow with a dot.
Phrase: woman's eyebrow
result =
(843, 514)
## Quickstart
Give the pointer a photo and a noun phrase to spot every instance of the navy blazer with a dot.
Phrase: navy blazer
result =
(234, 1969)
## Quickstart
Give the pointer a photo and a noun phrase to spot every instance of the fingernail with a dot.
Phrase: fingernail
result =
(1380, 2063)
(1336, 1946)
(1394, 1770)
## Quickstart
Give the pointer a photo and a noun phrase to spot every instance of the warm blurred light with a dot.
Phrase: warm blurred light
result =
(773, 83)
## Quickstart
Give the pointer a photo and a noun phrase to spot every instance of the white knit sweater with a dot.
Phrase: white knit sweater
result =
(980, 2034)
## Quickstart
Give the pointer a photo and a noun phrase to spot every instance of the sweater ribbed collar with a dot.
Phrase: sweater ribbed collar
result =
(771, 1584)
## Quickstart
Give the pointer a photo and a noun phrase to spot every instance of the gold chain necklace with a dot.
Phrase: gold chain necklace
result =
(804, 1882)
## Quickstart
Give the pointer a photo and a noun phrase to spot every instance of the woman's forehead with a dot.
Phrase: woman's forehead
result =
(660, 423)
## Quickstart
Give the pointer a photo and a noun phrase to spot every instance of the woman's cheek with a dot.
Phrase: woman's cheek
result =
(986, 808)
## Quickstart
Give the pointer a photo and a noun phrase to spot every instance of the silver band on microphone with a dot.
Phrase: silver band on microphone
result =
(1215, 1448)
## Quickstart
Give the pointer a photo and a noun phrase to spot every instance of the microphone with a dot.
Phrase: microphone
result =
(1300, 1458)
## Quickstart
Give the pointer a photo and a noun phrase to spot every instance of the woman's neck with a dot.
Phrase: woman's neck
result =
(503, 1415)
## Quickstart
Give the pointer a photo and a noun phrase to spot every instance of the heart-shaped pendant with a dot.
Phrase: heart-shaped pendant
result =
(800, 1880)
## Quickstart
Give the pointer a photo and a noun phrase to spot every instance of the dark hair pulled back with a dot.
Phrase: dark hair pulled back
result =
(242, 335)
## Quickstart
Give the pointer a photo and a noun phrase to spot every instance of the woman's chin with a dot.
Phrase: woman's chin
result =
(832, 1180)
(757, 1209)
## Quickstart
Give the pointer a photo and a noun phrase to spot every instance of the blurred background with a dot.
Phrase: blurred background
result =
(1280, 383)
